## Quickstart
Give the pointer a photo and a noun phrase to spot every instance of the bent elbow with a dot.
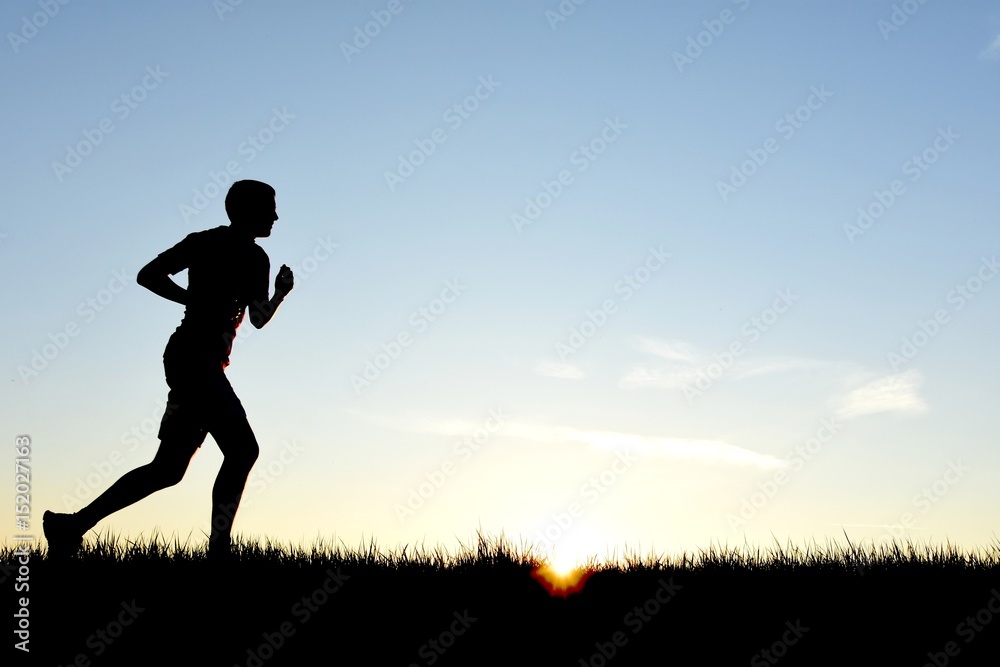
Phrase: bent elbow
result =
(144, 278)
(150, 275)
(257, 319)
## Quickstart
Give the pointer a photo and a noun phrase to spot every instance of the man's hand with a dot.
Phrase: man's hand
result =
(155, 277)
(262, 312)
(285, 281)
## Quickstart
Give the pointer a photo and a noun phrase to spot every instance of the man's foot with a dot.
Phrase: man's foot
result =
(220, 549)
(63, 534)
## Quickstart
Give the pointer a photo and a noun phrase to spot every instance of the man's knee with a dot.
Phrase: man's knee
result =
(242, 457)
(171, 461)
(238, 444)
(170, 473)
(248, 455)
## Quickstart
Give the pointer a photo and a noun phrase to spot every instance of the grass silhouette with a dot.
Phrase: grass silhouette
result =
(159, 601)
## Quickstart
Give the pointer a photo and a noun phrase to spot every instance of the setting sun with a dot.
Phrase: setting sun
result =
(562, 580)
(570, 563)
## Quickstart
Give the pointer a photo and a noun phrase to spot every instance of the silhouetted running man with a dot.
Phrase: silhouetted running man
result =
(228, 276)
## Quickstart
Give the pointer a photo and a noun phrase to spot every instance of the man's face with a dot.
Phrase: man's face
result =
(262, 218)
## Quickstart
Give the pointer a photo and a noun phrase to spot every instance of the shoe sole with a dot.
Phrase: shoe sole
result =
(58, 546)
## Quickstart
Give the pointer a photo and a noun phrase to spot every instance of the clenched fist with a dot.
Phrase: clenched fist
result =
(285, 281)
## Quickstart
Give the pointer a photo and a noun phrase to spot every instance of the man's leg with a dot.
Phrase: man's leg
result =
(239, 447)
(166, 469)
(64, 532)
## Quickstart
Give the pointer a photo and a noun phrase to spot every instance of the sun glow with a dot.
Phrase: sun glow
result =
(560, 581)
(569, 564)
(563, 563)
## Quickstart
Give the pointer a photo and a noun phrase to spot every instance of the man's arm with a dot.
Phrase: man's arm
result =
(262, 310)
(155, 277)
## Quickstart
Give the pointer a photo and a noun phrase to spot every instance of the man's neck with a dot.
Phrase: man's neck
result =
(241, 233)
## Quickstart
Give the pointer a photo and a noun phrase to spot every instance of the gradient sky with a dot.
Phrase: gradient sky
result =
(640, 276)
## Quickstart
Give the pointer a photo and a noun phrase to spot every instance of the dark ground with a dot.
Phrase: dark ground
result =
(267, 610)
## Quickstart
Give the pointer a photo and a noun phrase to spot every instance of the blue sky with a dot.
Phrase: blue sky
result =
(636, 275)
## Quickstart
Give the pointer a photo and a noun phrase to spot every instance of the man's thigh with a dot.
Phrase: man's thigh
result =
(200, 401)
(227, 422)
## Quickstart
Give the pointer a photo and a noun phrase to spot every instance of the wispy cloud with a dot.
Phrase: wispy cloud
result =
(664, 378)
(992, 52)
(892, 393)
(883, 526)
(559, 369)
(683, 364)
(675, 350)
(412, 422)
(686, 449)
(857, 391)
(699, 450)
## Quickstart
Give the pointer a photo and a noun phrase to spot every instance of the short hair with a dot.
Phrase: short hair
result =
(244, 196)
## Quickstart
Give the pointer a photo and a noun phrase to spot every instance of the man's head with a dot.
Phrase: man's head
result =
(250, 207)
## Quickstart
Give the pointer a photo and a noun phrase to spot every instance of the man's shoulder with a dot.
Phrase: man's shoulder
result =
(216, 234)
(223, 234)
(221, 240)
(259, 254)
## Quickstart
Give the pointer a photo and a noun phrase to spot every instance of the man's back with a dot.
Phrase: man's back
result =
(226, 272)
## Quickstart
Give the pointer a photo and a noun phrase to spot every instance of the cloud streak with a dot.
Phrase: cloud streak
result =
(992, 52)
(861, 392)
(683, 364)
(706, 451)
(892, 393)
(684, 449)
(559, 369)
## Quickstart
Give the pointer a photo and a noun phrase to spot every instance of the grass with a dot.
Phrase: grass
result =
(498, 551)
(892, 603)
